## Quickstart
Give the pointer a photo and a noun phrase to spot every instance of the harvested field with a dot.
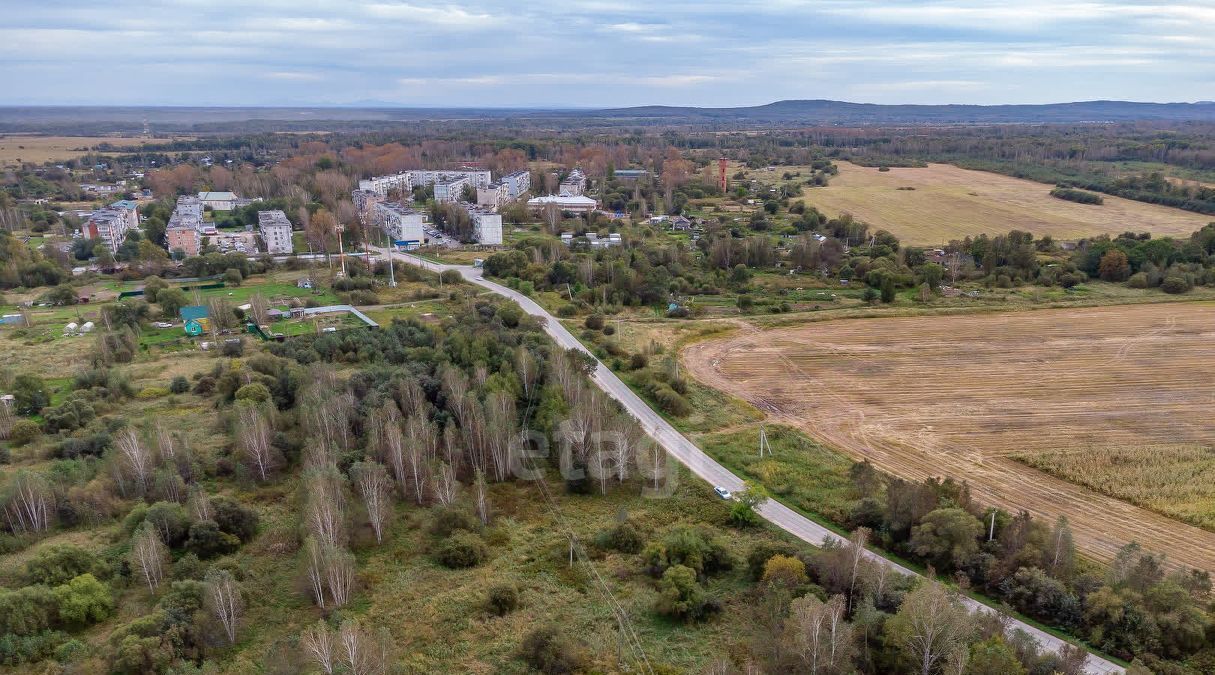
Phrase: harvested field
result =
(959, 396)
(950, 203)
(38, 149)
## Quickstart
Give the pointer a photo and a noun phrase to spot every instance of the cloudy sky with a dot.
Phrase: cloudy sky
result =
(578, 53)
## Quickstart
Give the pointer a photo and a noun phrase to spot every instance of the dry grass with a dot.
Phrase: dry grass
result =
(951, 203)
(959, 395)
(19, 148)
(1175, 480)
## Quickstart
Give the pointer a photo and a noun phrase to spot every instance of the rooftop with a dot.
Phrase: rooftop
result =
(219, 196)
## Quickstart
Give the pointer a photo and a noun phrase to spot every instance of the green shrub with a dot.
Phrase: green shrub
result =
(1174, 285)
(594, 322)
(72, 414)
(206, 540)
(255, 392)
(462, 549)
(548, 652)
(680, 595)
(59, 564)
(23, 432)
(179, 385)
(238, 521)
(449, 519)
(84, 600)
(624, 537)
(502, 600)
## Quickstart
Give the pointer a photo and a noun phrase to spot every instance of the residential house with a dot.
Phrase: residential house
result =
(195, 319)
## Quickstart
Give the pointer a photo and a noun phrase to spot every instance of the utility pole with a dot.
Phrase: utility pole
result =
(392, 275)
(991, 531)
(341, 249)
(764, 445)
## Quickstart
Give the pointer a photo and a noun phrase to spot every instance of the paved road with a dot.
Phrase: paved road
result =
(703, 465)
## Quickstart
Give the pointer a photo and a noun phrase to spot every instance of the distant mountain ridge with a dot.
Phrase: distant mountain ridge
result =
(219, 119)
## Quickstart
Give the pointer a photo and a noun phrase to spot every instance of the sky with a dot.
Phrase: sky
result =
(601, 53)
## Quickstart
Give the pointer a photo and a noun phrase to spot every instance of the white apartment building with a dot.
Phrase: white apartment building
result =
(450, 189)
(517, 183)
(487, 225)
(408, 180)
(405, 226)
(275, 231)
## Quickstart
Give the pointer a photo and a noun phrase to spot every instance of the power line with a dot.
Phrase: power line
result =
(622, 617)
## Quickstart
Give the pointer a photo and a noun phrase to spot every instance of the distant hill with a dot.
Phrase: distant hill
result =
(842, 112)
(99, 119)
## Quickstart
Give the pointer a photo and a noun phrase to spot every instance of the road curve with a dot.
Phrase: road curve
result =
(705, 466)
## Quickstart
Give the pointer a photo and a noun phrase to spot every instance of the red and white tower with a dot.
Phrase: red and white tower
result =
(721, 174)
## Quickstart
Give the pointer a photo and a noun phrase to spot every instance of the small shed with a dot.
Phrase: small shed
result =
(194, 319)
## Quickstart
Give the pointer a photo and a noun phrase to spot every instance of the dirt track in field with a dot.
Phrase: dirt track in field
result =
(955, 395)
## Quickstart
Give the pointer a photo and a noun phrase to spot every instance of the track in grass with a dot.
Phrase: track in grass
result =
(959, 395)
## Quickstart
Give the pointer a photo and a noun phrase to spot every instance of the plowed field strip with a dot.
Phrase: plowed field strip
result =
(954, 396)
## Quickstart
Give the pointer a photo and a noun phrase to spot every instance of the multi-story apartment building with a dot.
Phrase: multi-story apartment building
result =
(517, 183)
(275, 231)
(110, 225)
(188, 240)
(408, 180)
(493, 196)
(405, 226)
(449, 189)
(487, 225)
(185, 228)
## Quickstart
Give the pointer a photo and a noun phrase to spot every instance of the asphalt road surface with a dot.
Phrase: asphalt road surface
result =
(701, 464)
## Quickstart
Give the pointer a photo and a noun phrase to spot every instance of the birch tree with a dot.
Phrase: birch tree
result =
(362, 651)
(199, 504)
(224, 601)
(819, 635)
(324, 506)
(1060, 556)
(254, 441)
(444, 484)
(314, 569)
(856, 560)
(317, 640)
(339, 574)
(135, 458)
(482, 497)
(30, 503)
(374, 486)
(930, 624)
(148, 556)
